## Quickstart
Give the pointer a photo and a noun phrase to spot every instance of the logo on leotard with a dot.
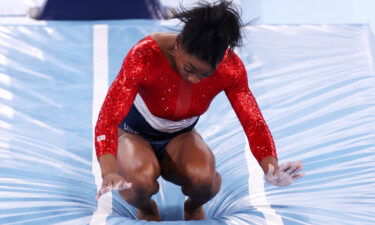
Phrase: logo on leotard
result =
(100, 138)
(129, 129)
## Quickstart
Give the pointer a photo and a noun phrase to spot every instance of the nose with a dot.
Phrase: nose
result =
(194, 79)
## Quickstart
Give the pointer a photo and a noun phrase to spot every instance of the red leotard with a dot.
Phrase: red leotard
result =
(146, 71)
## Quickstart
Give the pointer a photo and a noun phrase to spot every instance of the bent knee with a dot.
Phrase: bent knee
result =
(143, 175)
(202, 177)
(142, 186)
(147, 187)
(203, 185)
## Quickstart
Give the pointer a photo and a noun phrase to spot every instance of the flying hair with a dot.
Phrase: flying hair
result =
(210, 29)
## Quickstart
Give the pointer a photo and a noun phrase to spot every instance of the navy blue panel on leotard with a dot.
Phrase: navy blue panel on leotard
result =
(136, 124)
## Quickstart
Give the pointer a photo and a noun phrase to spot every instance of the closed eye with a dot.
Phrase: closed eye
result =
(188, 70)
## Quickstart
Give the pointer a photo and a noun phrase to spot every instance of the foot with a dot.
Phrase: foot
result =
(150, 216)
(196, 214)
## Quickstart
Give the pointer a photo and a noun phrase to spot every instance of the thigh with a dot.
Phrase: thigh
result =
(136, 158)
(187, 155)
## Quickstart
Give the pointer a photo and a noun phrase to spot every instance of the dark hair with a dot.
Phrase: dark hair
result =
(210, 29)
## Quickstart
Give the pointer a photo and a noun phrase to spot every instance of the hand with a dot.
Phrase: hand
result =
(112, 181)
(285, 175)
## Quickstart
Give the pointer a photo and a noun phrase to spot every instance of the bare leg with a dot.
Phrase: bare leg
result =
(199, 195)
(137, 163)
(190, 163)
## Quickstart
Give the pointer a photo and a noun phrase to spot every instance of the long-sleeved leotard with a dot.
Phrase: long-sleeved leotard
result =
(146, 71)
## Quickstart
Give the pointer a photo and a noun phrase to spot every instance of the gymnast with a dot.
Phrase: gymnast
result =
(145, 127)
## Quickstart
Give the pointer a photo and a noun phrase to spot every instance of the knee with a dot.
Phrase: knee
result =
(205, 181)
(144, 178)
(144, 182)
(144, 186)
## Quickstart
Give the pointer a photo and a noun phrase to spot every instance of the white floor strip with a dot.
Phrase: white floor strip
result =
(256, 190)
(100, 73)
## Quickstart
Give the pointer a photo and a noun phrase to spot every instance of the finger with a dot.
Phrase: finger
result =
(296, 177)
(122, 184)
(97, 196)
(125, 185)
(285, 166)
(106, 189)
(117, 184)
(110, 185)
(104, 184)
(295, 172)
(292, 168)
(100, 193)
(299, 164)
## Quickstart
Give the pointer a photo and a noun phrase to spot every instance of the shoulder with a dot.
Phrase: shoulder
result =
(231, 61)
(165, 42)
(140, 59)
(232, 68)
(143, 49)
(164, 39)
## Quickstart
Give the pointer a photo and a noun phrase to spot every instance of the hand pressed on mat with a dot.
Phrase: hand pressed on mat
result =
(112, 181)
(285, 175)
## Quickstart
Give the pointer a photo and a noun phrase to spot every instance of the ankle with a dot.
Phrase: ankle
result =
(149, 208)
(151, 214)
(194, 214)
(190, 208)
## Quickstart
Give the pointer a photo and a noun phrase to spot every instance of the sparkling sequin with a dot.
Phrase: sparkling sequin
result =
(146, 71)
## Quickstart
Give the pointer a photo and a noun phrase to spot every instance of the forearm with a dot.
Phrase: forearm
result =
(107, 163)
(269, 160)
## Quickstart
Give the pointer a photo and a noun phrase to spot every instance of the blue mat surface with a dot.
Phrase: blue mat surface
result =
(315, 85)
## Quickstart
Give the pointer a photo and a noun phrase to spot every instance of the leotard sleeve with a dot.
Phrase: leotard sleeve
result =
(120, 98)
(246, 108)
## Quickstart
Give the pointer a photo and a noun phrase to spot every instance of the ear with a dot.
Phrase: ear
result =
(178, 42)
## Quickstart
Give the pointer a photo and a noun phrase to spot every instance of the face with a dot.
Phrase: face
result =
(191, 68)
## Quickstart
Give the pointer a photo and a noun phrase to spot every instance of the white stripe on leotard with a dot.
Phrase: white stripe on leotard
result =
(161, 124)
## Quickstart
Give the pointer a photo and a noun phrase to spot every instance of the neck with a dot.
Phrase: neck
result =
(172, 61)
(171, 55)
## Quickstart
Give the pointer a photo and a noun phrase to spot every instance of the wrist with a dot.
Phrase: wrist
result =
(107, 164)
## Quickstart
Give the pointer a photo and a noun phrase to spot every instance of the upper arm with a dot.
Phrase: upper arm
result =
(248, 112)
(238, 91)
(119, 99)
